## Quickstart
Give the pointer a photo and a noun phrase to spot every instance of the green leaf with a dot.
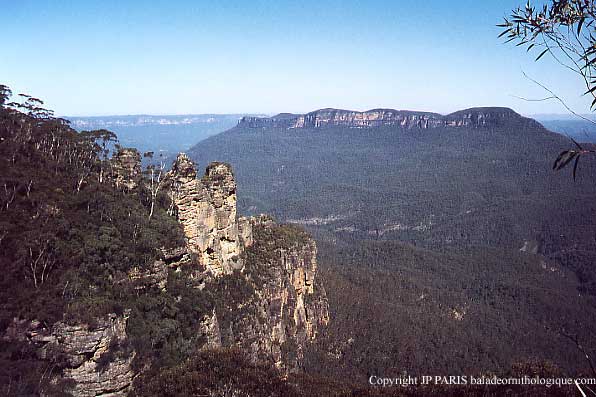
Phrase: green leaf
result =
(579, 25)
(564, 158)
(559, 157)
(541, 54)
(503, 33)
(591, 90)
(575, 166)
(576, 144)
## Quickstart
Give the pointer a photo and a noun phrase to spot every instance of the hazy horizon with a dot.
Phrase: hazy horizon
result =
(183, 57)
(554, 116)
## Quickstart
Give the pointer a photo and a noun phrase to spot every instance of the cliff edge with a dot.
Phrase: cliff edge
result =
(235, 283)
(406, 119)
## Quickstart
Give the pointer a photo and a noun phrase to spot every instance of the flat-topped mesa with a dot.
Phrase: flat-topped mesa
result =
(370, 118)
(474, 117)
(206, 208)
(483, 116)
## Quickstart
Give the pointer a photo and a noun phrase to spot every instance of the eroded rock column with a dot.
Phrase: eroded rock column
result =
(206, 209)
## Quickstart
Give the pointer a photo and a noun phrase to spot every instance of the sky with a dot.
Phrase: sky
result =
(108, 57)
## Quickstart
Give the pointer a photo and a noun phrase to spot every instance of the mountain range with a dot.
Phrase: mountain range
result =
(437, 227)
(434, 244)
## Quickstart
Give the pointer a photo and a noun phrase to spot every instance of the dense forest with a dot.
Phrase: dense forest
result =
(476, 312)
(79, 226)
(76, 240)
(451, 248)
(69, 236)
(156, 242)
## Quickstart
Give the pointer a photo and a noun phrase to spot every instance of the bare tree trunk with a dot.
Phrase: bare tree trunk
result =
(152, 207)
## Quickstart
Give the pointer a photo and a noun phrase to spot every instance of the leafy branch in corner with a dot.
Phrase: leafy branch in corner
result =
(567, 156)
(565, 30)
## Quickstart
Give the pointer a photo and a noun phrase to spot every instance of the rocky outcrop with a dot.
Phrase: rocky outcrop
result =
(210, 330)
(156, 273)
(272, 310)
(257, 281)
(126, 168)
(297, 311)
(289, 308)
(273, 307)
(485, 117)
(93, 358)
(474, 117)
(371, 118)
(206, 209)
(245, 230)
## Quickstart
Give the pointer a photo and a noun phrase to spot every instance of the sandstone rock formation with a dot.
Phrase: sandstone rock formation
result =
(126, 168)
(156, 274)
(286, 311)
(209, 328)
(206, 209)
(474, 117)
(245, 230)
(289, 308)
(272, 309)
(81, 349)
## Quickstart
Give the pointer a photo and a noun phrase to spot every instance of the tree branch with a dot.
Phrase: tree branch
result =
(556, 97)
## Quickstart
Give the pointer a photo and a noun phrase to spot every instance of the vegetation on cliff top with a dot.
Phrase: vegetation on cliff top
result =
(70, 238)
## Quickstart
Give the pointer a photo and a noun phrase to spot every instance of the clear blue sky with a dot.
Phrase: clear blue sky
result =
(176, 57)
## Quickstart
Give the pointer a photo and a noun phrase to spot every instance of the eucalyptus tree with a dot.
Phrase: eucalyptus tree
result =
(564, 30)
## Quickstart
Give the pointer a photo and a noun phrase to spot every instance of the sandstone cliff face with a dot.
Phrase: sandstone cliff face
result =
(289, 308)
(80, 351)
(126, 168)
(156, 274)
(284, 312)
(475, 117)
(371, 118)
(259, 281)
(206, 209)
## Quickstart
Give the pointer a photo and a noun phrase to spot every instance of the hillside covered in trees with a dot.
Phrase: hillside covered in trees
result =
(448, 241)
(101, 293)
